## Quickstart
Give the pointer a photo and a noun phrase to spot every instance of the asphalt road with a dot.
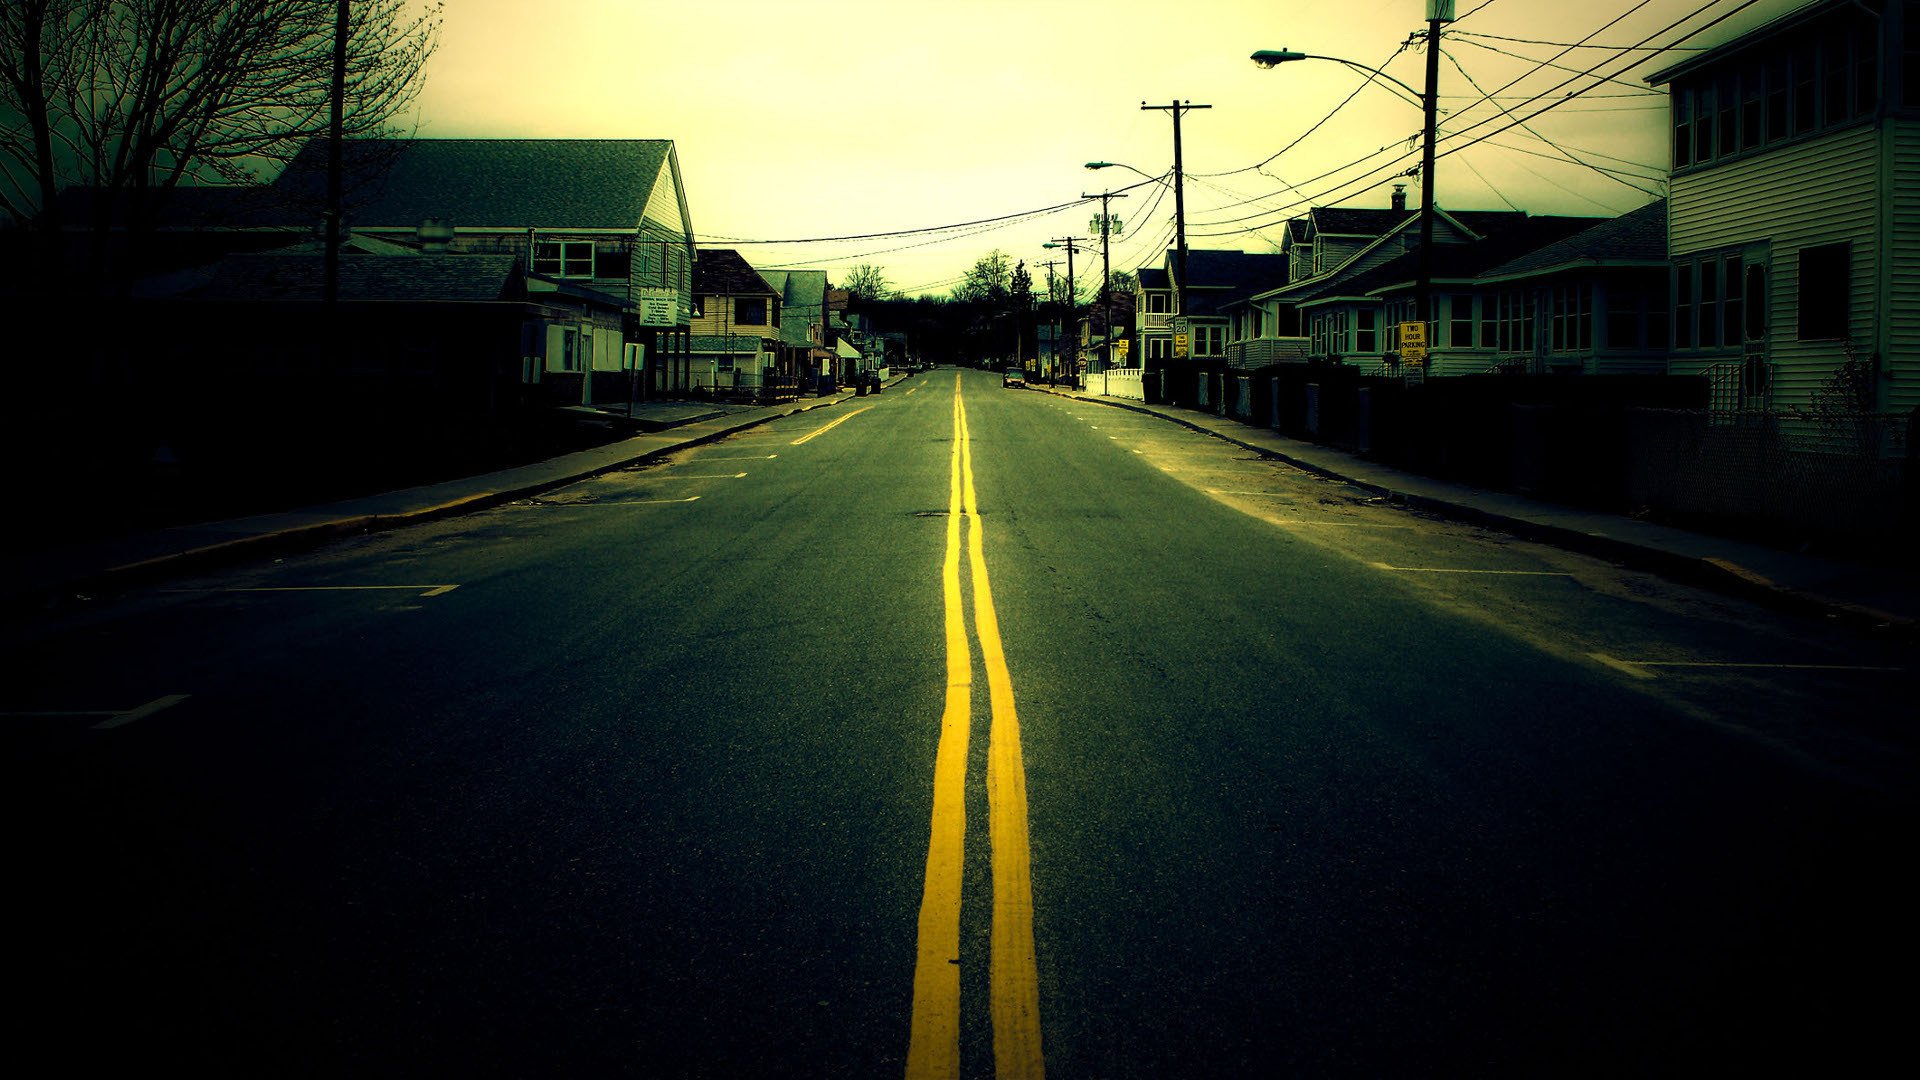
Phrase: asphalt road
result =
(639, 778)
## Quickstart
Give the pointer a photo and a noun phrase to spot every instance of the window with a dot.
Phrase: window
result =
(1682, 127)
(1728, 95)
(1756, 293)
(750, 310)
(1366, 331)
(1157, 303)
(1731, 323)
(1460, 321)
(1706, 290)
(1572, 318)
(1825, 277)
(1319, 323)
(1683, 305)
(1816, 81)
(1779, 95)
(1516, 312)
(563, 258)
(1337, 340)
(569, 349)
(1623, 319)
(1910, 51)
(1751, 96)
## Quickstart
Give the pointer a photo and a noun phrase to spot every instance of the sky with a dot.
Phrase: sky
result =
(849, 118)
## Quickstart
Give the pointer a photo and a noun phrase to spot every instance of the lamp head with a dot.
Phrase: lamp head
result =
(1268, 58)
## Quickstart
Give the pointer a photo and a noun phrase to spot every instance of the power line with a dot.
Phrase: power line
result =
(1537, 41)
(1608, 173)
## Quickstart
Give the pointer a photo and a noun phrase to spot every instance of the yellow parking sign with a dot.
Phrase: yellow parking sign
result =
(1179, 344)
(1413, 335)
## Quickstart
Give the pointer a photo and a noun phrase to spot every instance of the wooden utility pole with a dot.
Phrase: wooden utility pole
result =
(1106, 265)
(1179, 203)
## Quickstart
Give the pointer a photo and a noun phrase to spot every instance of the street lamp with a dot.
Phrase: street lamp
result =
(1438, 12)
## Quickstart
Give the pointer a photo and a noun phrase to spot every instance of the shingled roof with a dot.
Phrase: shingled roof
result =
(1638, 237)
(722, 272)
(487, 183)
(1152, 277)
(1460, 261)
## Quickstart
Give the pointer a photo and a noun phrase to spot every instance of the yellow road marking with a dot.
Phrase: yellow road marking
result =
(1451, 570)
(816, 434)
(933, 1049)
(1014, 995)
(431, 590)
(1013, 975)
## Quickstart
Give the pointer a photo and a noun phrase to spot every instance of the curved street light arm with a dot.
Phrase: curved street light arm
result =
(1267, 58)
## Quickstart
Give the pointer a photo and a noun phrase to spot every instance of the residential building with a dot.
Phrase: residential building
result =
(1794, 213)
(735, 330)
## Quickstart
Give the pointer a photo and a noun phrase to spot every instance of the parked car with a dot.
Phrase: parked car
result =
(1014, 377)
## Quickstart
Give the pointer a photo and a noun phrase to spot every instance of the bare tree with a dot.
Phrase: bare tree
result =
(868, 282)
(989, 280)
(134, 97)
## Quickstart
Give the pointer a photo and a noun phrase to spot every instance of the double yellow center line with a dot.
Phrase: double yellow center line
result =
(1014, 995)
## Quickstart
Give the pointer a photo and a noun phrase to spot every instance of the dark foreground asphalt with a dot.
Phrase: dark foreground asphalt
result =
(647, 793)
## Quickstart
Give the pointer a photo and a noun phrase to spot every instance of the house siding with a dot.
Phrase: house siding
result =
(1824, 191)
(1901, 393)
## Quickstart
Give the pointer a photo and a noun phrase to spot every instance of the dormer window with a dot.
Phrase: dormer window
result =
(563, 258)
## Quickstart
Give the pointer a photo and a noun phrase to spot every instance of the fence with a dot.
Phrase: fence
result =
(1760, 472)
(1117, 382)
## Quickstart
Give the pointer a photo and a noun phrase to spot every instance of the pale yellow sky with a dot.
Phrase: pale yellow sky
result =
(844, 117)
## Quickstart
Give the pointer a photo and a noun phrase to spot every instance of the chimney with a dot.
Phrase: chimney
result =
(434, 235)
(1399, 196)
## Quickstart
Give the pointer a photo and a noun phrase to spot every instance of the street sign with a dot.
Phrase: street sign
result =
(1179, 324)
(1179, 344)
(1413, 335)
(1123, 343)
(658, 307)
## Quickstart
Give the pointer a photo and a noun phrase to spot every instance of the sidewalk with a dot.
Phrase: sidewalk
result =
(1873, 597)
(43, 578)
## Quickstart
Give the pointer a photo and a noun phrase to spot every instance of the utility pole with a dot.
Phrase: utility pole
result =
(1073, 322)
(1055, 300)
(1438, 12)
(1179, 203)
(1106, 265)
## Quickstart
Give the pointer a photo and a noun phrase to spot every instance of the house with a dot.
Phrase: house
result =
(605, 214)
(735, 332)
(1153, 319)
(1793, 218)
(1337, 319)
(1476, 328)
(421, 359)
(804, 325)
(1599, 295)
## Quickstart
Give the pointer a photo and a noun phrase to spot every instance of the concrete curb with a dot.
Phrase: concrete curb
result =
(1718, 575)
(304, 537)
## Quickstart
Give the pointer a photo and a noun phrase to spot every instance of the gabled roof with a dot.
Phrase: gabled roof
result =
(1461, 261)
(1211, 269)
(488, 183)
(722, 272)
(1355, 220)
(415, 278)
(1636, 238)
(802, 296)
(1300, 229)
(1152, 277)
